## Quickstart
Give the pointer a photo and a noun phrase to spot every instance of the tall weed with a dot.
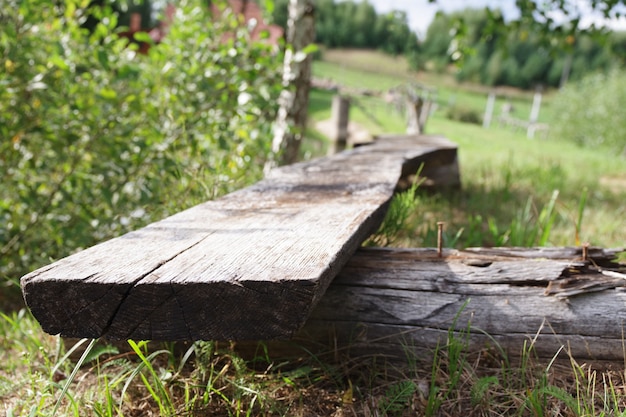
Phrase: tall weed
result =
(402, 206)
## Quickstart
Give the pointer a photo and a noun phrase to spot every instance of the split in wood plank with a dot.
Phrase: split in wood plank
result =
(251, 265)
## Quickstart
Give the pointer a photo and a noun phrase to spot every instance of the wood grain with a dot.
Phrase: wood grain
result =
(251, 265)
(394, 301)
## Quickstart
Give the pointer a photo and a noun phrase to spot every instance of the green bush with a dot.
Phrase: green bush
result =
(589, 112)
(98, 139)
(464, 115)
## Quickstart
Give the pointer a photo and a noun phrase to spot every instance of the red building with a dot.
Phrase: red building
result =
(250, 10)
(252, 13)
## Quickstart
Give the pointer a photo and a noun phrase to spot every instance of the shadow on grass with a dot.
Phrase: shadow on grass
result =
(10, 297)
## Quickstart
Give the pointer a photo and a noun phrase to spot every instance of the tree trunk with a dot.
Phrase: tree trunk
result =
(294, 100)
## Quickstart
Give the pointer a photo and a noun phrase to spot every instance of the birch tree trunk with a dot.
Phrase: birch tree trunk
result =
(294, 100)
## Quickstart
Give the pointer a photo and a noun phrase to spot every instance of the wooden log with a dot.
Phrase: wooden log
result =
(251, 265)
(396, 302)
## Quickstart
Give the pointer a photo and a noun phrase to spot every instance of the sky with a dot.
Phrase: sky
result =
(420, 12)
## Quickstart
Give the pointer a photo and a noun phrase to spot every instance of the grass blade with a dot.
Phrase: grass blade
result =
(581, 211)
(66, 386)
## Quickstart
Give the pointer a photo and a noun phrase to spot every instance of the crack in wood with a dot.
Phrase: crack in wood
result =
(182, 312)
(137, 282)
(291, 232)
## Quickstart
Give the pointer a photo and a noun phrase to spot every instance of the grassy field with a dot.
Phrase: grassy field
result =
(515, 190)
(503, 170)
(508, 179)
(360, 69)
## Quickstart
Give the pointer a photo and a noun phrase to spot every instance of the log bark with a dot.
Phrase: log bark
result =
(251, 265)
(399, 302)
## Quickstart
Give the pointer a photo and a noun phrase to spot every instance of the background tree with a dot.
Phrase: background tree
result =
(294, 99)
(507, 54)
(349, 24)
(365, 17)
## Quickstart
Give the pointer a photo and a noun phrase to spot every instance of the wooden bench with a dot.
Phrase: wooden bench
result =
(251, 265)
(281, 260)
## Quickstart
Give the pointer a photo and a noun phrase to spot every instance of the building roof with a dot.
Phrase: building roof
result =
(253, 16)
(249, 9)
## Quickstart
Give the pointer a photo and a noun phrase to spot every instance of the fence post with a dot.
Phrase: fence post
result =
(340, 116)
(491, 101)
(413, 113)
(427, 108)
(534, 115)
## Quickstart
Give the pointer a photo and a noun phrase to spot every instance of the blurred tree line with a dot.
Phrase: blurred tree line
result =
(495, 54)
(349, 24)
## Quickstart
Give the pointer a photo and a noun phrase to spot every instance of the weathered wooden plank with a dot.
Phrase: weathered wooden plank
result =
(394, 301)
(250, 265)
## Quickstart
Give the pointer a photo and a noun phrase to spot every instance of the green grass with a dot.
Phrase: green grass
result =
(502, 172)
(210, 379)
(359, 69)
(38, 378)
(509, 182)
(362, 69)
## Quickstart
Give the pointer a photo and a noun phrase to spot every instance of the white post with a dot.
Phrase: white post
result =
(491, 101)
(534, 115)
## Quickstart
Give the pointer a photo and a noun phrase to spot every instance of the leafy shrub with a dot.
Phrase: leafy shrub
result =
(589, 112)
(464, 115)
(98, 139)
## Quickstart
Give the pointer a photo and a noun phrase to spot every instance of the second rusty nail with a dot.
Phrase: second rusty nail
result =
(440, 239)
(585, 251)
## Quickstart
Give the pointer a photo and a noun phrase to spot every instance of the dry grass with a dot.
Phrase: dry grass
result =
(371, 61)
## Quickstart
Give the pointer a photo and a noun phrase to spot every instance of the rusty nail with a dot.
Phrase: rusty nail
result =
(440, 239)
(585, 251)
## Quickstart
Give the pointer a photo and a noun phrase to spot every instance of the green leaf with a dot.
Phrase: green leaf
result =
(102, 132)
(311, 48)
(103, 58)
(142, 37)
(299, 56)
(108, 93)
(269, 6)
(58, 62)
